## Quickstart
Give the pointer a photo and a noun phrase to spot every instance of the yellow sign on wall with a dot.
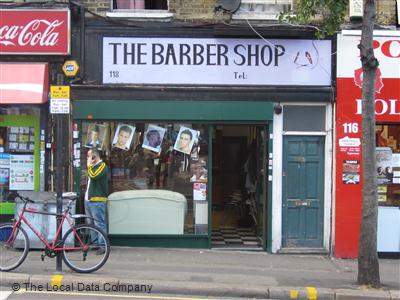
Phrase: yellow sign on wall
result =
(70, 68)
(59, 92)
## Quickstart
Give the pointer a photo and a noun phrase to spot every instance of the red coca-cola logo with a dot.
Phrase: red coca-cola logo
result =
(358, 79)
(37, 32)
(34, 31)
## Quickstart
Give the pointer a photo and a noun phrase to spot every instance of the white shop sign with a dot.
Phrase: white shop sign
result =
(128, 60)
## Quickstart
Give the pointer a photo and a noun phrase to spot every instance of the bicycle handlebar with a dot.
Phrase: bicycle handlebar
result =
(70, 196)
(25, 199)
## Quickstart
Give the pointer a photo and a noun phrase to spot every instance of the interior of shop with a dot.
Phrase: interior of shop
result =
(238, 187)
(388, 164)
(388, 179)
(174, 157)
(171, 158)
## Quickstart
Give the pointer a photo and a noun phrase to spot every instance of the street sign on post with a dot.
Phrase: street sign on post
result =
(59, 99)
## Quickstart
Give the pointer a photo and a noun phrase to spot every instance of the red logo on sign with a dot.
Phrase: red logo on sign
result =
(34, 31)
(358, 79)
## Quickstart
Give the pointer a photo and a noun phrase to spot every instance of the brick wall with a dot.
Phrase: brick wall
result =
(203, 10)
(386, 12)
(191, 10)
(27, 1)
(98, 6)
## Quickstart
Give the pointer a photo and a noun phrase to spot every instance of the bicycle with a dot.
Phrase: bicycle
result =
(84, 239)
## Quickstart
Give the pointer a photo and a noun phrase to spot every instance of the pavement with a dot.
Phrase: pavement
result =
(212, 272)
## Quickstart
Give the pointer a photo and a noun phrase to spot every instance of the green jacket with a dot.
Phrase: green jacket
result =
(98, 186)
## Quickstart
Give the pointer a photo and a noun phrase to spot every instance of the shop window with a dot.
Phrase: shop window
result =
(388, 164)
(18, 141)
(262, 9)
(154, 156)
(304, 118)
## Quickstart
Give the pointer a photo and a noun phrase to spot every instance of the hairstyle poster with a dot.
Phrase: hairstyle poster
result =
(123, 136)
(185, 140)
(96, 134)
(153, 138)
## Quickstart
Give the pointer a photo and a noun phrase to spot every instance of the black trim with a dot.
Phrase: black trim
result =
(222, 93)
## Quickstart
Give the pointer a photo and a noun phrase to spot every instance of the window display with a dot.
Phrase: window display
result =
(20, 139)
(149, 156)
(388, 164)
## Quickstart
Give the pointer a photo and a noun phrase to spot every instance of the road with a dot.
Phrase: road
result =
(44, 295)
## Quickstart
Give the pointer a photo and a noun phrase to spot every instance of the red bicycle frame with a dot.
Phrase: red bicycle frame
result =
(52, 245)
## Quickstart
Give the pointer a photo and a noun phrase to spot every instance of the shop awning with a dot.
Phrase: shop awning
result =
(24, 83)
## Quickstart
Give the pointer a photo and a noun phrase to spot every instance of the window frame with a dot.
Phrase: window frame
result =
(261, 15)
(140, 14)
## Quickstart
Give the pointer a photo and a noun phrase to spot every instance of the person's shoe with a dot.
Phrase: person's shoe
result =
(100, 251)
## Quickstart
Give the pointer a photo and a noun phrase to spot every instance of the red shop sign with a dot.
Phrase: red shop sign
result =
(348, 202)
(34, 32)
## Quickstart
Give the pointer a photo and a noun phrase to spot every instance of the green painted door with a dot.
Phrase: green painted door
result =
(303, 191)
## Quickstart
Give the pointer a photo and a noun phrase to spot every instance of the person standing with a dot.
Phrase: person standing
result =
(97, 192)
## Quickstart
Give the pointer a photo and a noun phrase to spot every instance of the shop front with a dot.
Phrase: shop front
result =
(24, 88)
(348, 144)
(187, 127)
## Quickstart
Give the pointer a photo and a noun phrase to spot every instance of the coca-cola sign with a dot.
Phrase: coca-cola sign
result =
(34, 32)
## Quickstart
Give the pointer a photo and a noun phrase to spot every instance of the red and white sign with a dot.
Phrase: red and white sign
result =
(34, 32)
(23, 83)
(348, 124)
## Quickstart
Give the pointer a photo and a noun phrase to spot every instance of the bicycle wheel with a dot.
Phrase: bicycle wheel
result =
(81, 248)
(14, 246)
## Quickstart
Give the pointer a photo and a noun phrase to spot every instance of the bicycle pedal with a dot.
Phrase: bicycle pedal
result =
(42, 257)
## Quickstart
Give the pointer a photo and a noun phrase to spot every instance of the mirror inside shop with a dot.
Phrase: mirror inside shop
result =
(158, 171)
(388, 164)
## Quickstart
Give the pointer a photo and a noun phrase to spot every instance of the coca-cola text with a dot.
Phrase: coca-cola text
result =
(36, 32)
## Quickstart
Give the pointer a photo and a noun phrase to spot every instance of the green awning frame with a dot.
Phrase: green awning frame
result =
(254, 111)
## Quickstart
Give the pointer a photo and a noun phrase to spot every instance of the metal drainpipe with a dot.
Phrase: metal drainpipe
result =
(82, 8)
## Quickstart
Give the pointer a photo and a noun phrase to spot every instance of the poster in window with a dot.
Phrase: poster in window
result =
(123, 136)
(4, 176)
(95, 136)
(12, 146)
(198, 170)
(153, 138)
(351, 172)
(14, 129)
(21, 172)
(20, 139)
(4, 161)
(384, 170)
(185, 140)
(12, 137)
(199, 191)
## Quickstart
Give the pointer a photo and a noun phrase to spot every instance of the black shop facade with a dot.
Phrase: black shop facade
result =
(193, 129)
